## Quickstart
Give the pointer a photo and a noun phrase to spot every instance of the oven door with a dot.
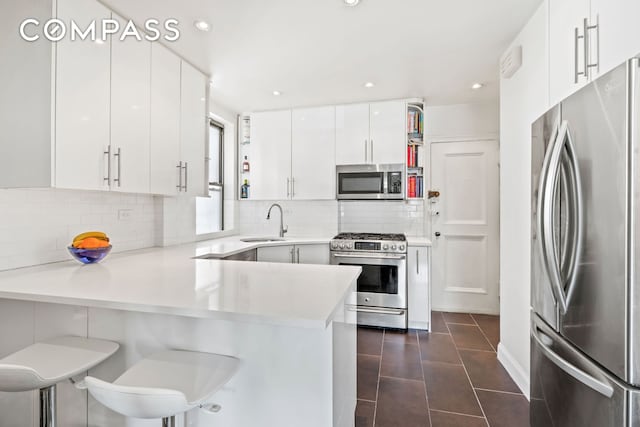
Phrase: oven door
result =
(361, 185)
(383, 282)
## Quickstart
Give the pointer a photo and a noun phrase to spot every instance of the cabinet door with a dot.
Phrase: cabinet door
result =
(619, 32)
(82, 101)
(130, 113)
(313, 154)
(270, 156)
(312, 254)
(193, 130)
(165, 121)
(388, 132)
(276, 254)
(352, 134)
(564, 17)
(418, 283)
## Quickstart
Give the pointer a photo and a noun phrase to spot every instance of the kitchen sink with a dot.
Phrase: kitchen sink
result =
(262, 239)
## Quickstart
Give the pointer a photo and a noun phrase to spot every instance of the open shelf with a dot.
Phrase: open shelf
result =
(415, 151)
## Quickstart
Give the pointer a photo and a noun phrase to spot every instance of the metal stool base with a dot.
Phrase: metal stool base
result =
(169, 422)
(48, 407)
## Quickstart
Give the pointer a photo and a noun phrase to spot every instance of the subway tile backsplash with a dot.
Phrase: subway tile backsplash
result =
(382, 217)
(36, 226)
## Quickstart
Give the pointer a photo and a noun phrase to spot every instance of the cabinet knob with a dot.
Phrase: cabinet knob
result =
(437, 234)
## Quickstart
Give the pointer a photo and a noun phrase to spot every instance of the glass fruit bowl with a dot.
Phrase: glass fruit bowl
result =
(89, 256)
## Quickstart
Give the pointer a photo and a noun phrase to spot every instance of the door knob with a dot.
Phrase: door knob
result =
(437, 234)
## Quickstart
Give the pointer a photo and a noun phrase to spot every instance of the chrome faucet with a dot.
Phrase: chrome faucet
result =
(283, 229)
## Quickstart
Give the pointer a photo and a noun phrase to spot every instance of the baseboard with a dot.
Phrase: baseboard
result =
(514, 369)
(423, 326)
(465, 310)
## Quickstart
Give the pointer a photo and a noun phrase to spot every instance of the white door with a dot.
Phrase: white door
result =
(193, 130)
(165, 121)
(352, 134)
(619, 32)
(465, 226)
(312, 254)
(130, 113)
(388, 132)
(313, 156)
(82, 102)
(564, 17)
(284, 254)
(270, 156)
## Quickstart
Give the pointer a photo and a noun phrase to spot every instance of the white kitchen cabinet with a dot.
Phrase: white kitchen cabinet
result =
(193, 130)
(82, 102)
(270, 155)
(164, 150)
(419, 305)
(312, 254)
(352, 134)
(388, 132)
(313, 157)
(564, 55)
(130, 113)
(619, 32)
(282, 254)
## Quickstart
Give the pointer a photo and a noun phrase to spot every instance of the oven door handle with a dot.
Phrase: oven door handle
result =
(395, 257)
(375, 310)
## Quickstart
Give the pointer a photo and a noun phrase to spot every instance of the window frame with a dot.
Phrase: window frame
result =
(215, 186)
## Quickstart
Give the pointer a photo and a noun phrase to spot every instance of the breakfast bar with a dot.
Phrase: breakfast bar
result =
(292, 326)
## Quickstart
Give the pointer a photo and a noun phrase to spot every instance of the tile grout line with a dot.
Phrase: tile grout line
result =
(424, 381)
(375, 406)
(499, 391)
(485, 335)
(457, 413)
(469, 379)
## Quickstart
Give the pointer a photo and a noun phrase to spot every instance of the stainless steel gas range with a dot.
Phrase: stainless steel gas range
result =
(382, 286)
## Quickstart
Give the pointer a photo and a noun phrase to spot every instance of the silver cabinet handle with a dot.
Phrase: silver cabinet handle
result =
(186, 175)
(588, 65)
(599, 385)
(372, 151)
(107, 153)
(292, 254)
(118, 154)
(298, 255)
(293, 188)
(179, 186)
(288, 187)
(417, 261)
(576, 42)
(366, 157)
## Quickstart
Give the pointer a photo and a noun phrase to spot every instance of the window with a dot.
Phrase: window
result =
(209, 210)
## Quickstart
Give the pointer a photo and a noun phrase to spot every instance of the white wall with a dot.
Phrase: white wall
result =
(478, 120)
(36, 226)
(523, 98)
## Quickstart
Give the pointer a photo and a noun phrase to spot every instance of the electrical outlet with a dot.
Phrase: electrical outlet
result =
(125, 214)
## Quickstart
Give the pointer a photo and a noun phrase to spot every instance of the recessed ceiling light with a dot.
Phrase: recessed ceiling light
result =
(276, 93)
(351, 2)
(477, 86)
(369, 85)
(202, 25)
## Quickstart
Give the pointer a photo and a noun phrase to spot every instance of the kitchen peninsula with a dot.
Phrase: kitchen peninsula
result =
(291, 326)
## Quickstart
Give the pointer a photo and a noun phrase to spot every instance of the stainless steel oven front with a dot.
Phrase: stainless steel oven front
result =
(382, 287)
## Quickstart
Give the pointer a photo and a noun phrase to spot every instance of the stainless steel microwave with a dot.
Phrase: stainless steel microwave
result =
(370, 182)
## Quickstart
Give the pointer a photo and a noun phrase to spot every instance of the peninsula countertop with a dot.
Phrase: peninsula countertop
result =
(169, 281)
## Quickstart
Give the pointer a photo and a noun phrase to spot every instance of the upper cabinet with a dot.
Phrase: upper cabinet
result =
(588, 38)
(313, 161)
(193, 131)
(270, 155)
(82, 103)
(371, 133)
(130, 114)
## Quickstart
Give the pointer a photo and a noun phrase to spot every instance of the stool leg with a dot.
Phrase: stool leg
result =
(169, 422)
(48, 406)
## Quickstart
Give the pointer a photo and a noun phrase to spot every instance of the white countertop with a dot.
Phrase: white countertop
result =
(418, 241)
(169, 281)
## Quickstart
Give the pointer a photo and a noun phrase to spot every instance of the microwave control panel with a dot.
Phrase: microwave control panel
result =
(394, 183)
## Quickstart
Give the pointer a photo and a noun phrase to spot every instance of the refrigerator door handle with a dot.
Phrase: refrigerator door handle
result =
(549, 251)
(585, 378)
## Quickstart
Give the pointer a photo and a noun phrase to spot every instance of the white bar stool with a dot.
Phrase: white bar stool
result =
(165, 385)
(44, 364)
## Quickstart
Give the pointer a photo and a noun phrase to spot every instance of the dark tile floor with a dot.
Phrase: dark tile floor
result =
(450, 377)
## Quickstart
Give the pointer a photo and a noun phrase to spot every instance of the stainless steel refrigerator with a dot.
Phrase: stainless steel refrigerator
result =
(585, 297)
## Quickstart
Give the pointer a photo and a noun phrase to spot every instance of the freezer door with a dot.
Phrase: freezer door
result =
(567, 389)
(634, 256)
(543, 133)
(595, 316)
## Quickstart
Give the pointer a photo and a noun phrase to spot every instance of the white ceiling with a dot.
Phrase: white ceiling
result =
(322, 52)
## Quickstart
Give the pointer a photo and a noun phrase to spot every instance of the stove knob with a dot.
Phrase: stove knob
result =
(334, 246)
(401, 247)
(341, 246)
(350, 246)
(393, 247)
(385, 247)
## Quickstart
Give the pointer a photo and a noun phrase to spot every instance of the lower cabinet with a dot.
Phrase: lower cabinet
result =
(419, 305)
(297, 254)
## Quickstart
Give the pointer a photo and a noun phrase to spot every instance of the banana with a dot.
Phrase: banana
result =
(96, 234)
